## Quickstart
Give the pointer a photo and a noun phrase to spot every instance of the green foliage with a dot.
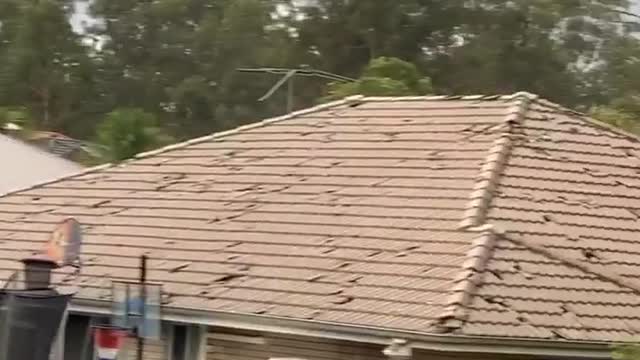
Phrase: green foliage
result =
(626, 352)
(177, 59)
(622, 112)
(16, 116)
(384, 77)
(616, 117)
(127, 132)
(43, 66)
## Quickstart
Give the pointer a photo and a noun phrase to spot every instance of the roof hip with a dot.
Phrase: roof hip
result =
(495, 161)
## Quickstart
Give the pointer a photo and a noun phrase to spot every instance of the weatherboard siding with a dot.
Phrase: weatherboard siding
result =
(276, 345)
(153, 350)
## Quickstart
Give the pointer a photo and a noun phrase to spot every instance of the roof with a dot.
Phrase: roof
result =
(477, 215)
(57, 143)
(24, 165)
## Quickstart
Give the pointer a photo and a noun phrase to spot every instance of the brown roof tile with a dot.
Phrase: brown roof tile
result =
(488, 216)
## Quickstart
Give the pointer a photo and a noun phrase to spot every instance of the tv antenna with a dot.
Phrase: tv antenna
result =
(288, 77)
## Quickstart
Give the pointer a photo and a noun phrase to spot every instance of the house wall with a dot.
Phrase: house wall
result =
(431, 355)
(216, 343)
(153, 350)
(289, 346)
(276, 345)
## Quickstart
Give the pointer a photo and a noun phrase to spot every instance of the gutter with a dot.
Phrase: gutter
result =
(370, 335)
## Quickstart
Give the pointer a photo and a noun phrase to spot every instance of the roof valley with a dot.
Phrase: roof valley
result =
(578, 264)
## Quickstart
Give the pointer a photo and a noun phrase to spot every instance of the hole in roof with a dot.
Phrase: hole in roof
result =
(328, 240)
(315, 278)
(557, 334)
(100, 203)
(35, 199)
(336, 292)
(495, 301)
(528, 276)
(496, 273)
(343, 300)
(374, 253)
(180, 267)
(590, 255)
(634, 212)
(243, 267)
(228, 277)
(547, 218)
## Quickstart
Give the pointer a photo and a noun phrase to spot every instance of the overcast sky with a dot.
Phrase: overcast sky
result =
(80, 16)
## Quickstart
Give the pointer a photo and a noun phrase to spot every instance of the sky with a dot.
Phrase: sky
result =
(80, 16)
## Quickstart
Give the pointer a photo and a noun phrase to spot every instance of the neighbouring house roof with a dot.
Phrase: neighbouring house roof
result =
(23, 165)
(57, 143)
(479, 215)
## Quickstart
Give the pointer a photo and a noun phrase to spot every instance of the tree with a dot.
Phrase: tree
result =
(384, 77)
(623, 113)
(43, 65)
(344, 36)
(126, 132)
(546, 47)
(626, 352)
(15, 118)
(177, 59)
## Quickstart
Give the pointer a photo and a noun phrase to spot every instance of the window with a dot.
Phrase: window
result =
(78, 340)
(179, 343)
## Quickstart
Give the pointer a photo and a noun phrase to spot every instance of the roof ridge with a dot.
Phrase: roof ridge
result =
(180, 145)
(455, 312)
(495, 161)
(581, 265)
(588, 119)
(445, 97)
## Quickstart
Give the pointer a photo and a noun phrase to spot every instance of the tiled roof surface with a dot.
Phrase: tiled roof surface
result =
(570, 192)
(372, 212)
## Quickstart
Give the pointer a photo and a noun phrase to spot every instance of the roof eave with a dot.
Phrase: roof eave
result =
(371, 335)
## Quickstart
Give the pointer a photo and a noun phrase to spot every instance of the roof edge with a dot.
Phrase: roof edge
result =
(371, 335)
(477, 97)
(590, 120)
(495, 161)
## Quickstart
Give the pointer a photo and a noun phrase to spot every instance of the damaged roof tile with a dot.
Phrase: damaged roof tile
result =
(493, 216)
